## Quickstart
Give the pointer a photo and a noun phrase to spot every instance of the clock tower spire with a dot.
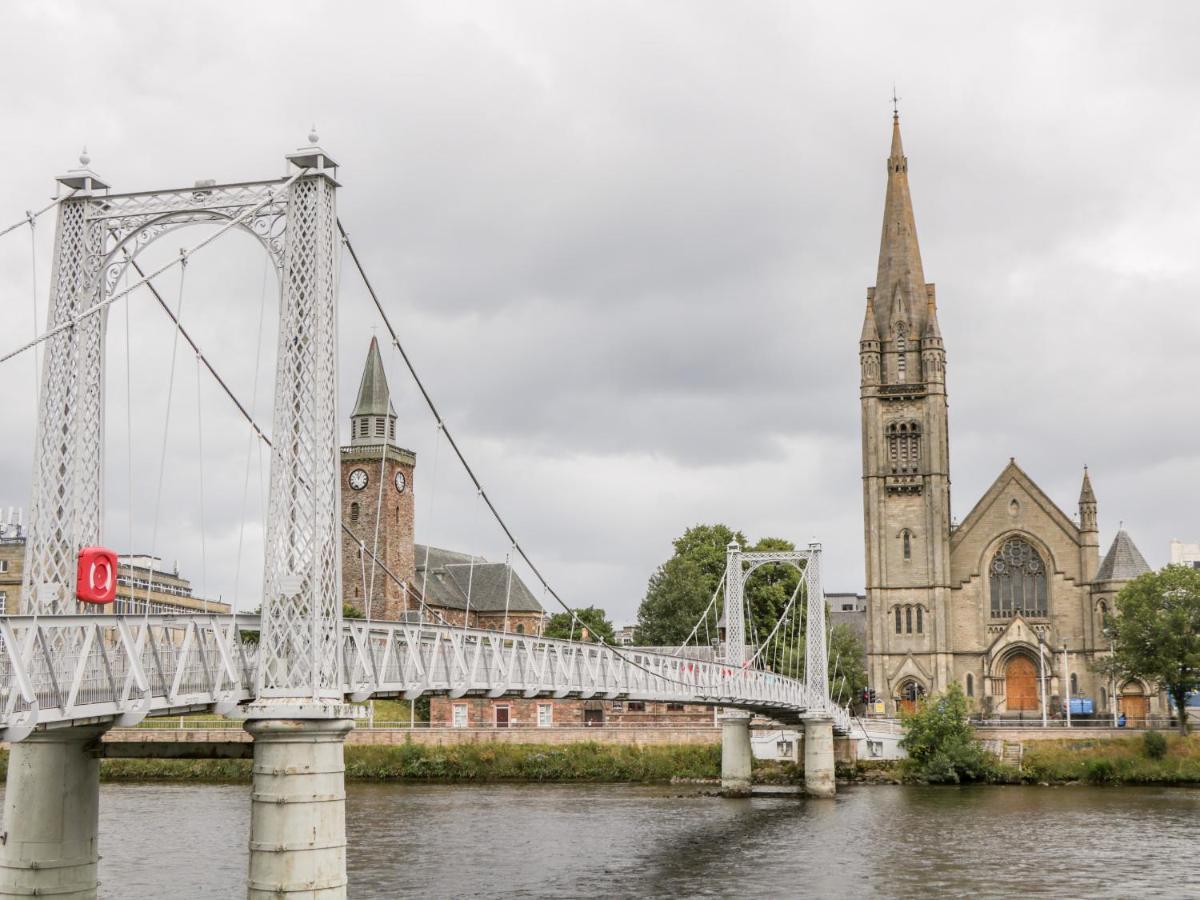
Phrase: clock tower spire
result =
(377, 502)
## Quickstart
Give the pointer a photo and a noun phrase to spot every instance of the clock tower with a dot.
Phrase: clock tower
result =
(377, 501)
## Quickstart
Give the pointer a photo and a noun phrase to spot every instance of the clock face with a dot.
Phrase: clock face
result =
(358, 479)
(401, 482)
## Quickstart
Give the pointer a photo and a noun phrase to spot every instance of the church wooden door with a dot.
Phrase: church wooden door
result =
(1136, 706)
(1021, 685)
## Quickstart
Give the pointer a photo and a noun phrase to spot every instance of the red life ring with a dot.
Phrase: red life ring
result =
(96, 577)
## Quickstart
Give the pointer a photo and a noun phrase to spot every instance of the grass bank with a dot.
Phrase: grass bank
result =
(1125, 760)
(480, 763)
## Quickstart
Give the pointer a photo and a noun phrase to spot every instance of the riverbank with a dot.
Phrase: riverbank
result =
(1079, 760)
(586, 762)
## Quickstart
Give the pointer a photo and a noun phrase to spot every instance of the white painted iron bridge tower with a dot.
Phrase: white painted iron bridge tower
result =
(298, 717)
(818, 725)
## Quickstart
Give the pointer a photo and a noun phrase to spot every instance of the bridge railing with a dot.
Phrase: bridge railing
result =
(69, 668)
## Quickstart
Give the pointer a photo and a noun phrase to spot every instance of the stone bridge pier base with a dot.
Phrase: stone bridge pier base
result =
(52, 815)
(819, 780)
(298, 806)
(736, 756)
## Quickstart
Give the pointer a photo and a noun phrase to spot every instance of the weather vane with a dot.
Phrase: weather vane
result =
(895, 102)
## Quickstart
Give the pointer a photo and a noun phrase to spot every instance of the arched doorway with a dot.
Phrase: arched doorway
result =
(1021, 685)
(909, 695)
(1135, 704)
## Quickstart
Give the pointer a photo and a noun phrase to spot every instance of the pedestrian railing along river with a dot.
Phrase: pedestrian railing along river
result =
(63, 669)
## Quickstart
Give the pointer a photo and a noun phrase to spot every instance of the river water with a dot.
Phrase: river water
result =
(189, 841)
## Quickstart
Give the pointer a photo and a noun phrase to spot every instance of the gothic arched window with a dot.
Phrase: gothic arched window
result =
(901, 352)
(908, 620)
(906, 537)
(1018, 580)
(920, 620)
(904, 447)
(353, 512)
(897, 620)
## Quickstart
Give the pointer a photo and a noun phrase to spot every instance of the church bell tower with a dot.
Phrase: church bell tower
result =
(906, 466)
(377, 501)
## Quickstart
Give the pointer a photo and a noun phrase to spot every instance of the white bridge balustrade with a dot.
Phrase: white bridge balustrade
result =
(72, 670)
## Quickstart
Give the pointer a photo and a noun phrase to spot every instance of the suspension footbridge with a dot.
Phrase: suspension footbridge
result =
(69, 669)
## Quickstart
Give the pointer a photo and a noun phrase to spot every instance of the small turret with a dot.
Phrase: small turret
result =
(1087, 505)
(868, 345)
(1089, 531)
(933, 352)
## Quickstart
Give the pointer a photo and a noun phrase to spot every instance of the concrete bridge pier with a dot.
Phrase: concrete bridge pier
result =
(819, 779)
(736, 756)
(298, 806)
(52, 815)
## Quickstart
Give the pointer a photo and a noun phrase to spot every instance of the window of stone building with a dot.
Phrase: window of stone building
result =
(380, 427)
(907, 539)
(637, 706)
(392, 429)
(354, 512)
(545, 715)
(1103, 698)
(897, 620)
(3, 602)
(920, 620)
(908, 620)
(460, 715)
(901, 352)
(3, 565)
(970, 685)
(1018, 580)
(1074, 685)
(520, 628)
(904, 447)
(674, 707)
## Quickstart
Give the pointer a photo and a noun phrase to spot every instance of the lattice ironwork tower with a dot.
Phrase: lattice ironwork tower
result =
(99, 234)
(906, 456)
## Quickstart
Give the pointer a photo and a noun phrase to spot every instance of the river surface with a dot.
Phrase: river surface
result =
(189, 841)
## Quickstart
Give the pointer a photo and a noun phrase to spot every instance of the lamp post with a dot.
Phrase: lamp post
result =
(1067, 682)
(1042, 674)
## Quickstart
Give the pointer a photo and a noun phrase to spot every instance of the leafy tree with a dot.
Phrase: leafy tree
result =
(561, 625)
(1156, 633)
(768, 589)
(351, 612)
(941, 744)
(847, 665)
(680, 589)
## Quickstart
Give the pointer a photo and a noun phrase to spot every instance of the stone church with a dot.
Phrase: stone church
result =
(1010, 603)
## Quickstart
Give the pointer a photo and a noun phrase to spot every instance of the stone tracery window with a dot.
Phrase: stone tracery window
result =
(1018, 580)
(901, 352)
(904, 447)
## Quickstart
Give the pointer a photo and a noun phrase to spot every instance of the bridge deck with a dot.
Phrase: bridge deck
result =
(61, 670)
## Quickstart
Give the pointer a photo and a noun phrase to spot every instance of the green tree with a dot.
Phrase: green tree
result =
(1156, 633)
(941, 744)
(680, 589)
(847, 665)
(350, 612)
(562, 625)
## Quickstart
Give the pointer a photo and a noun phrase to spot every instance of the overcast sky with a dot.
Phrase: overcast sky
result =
(628, 244)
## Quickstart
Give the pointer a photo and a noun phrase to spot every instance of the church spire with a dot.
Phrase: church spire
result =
(374, 417)
(900, 281)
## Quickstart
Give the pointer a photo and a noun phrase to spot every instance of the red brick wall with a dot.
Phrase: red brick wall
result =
(481, 712)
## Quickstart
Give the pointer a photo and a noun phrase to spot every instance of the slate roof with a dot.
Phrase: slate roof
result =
(373, 396)
(1123, 561)
(452, 575)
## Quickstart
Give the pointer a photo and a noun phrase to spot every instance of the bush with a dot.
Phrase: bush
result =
(1154, 744)
(941, 744)
(1101, 771)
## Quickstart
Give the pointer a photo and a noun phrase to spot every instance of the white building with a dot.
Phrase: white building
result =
(1185, 554)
